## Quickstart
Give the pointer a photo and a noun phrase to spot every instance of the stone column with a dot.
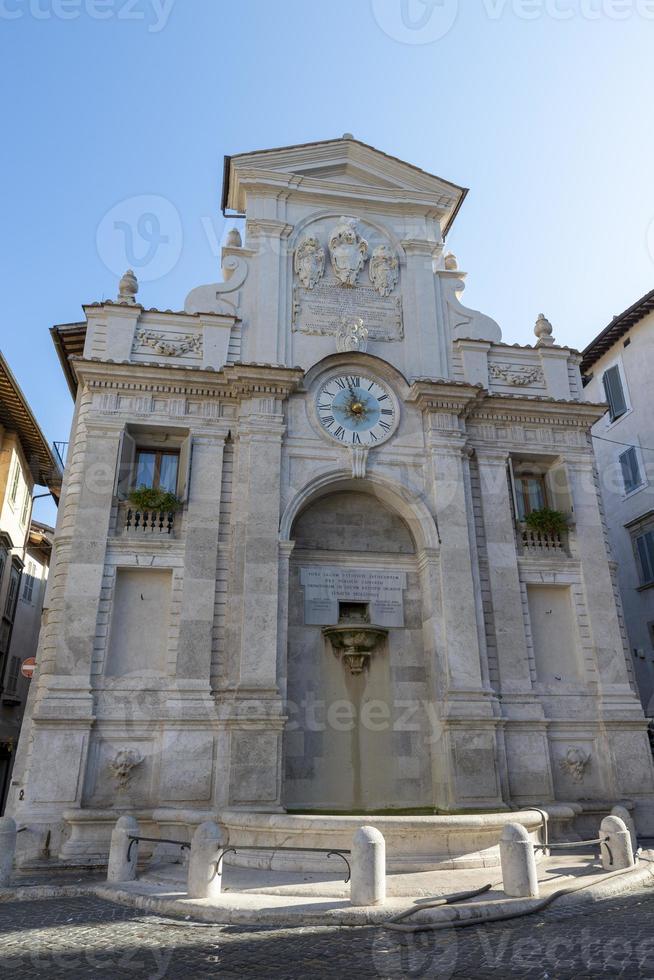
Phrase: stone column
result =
(422, 313)
(254, 713)
(285, 552)
(593, 554)
(202, 522)
(269, 237)
(260, 451)
(63, 705)
(459, 609)
(467, 771)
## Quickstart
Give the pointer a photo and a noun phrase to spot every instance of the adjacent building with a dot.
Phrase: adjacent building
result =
(26, 461)
(618, 367)
(14, 684)
(301, 568)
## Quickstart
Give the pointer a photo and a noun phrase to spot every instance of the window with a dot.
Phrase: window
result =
(530, 493)
(12, 594)
(15, 481)
(3, 562)
(28, 584)
(614, 391)
(26, 506)
(156, 469)
(155, 458)
(631, 469)
(645, 551)
(12, 675)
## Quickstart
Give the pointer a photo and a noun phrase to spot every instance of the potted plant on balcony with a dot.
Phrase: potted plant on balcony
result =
(149, 499)
(546, 521)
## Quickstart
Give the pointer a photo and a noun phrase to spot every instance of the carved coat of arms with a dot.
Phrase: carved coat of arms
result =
(383, 270)
(348, 251)
(309, 262)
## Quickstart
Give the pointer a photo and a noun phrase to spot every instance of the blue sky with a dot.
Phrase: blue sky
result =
(541, 107)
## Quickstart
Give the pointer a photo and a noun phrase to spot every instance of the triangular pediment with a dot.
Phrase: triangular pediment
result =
(345, 164)
(346, 173)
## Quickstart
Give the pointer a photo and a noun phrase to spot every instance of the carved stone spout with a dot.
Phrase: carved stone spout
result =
(355, 643)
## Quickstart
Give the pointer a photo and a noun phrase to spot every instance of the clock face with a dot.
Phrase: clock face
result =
(356, 411)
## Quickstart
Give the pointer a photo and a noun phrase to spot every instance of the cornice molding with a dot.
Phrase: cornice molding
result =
(236, 381)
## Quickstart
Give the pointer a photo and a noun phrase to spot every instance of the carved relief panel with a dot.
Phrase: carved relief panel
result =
(346, 271)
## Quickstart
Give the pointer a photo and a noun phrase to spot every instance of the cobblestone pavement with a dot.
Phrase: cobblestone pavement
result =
(86, 937)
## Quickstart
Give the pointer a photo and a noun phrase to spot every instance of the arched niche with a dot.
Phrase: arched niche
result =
(357, 741)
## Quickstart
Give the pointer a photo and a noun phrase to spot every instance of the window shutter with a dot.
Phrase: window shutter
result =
(184, 475)
(645, 545)
(558, 488)
(614, 393)
(125, 467)
(630, 469)
(514, 494)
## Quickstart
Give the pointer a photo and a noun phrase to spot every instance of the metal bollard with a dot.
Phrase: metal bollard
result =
(628, 820)
(368, 884)
(519, 873)
(204, 872)
(120, 866)
(617, 852)
(7, 849)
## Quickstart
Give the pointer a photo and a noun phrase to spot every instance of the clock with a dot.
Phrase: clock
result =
(356, 410)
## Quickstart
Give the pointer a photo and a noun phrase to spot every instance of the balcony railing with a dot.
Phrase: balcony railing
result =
(540, 542)
(61, 452)
(148, 521)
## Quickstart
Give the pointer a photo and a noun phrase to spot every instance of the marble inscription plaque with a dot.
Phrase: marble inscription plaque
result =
(325, 587)
(320, 310)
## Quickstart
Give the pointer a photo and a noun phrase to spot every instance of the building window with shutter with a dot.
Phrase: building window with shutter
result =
(645, 554)
(12, 594)
(631, 470)
(15, 483)
(27, 499)
(12, 675)
(28, 584)
(157, 459)
(615, 393)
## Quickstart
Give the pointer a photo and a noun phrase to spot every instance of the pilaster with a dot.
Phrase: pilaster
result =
(200, 557)
(421, 311)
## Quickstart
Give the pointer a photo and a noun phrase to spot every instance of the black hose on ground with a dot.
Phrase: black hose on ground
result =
(395, 923)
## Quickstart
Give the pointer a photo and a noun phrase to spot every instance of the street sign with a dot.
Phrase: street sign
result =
(27, 667)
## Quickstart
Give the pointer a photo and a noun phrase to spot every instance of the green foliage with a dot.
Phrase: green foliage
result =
(546, 521)
(146, 498)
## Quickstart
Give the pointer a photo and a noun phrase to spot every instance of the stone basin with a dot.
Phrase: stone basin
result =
(413, 843)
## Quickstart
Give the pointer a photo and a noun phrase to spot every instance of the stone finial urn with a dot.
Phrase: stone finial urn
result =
(128, 288)
(355, 643)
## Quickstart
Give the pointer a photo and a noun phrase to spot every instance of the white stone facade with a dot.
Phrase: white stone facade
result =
(180, 676)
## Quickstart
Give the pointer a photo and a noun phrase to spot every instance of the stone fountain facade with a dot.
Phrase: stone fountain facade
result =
(347, 614)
